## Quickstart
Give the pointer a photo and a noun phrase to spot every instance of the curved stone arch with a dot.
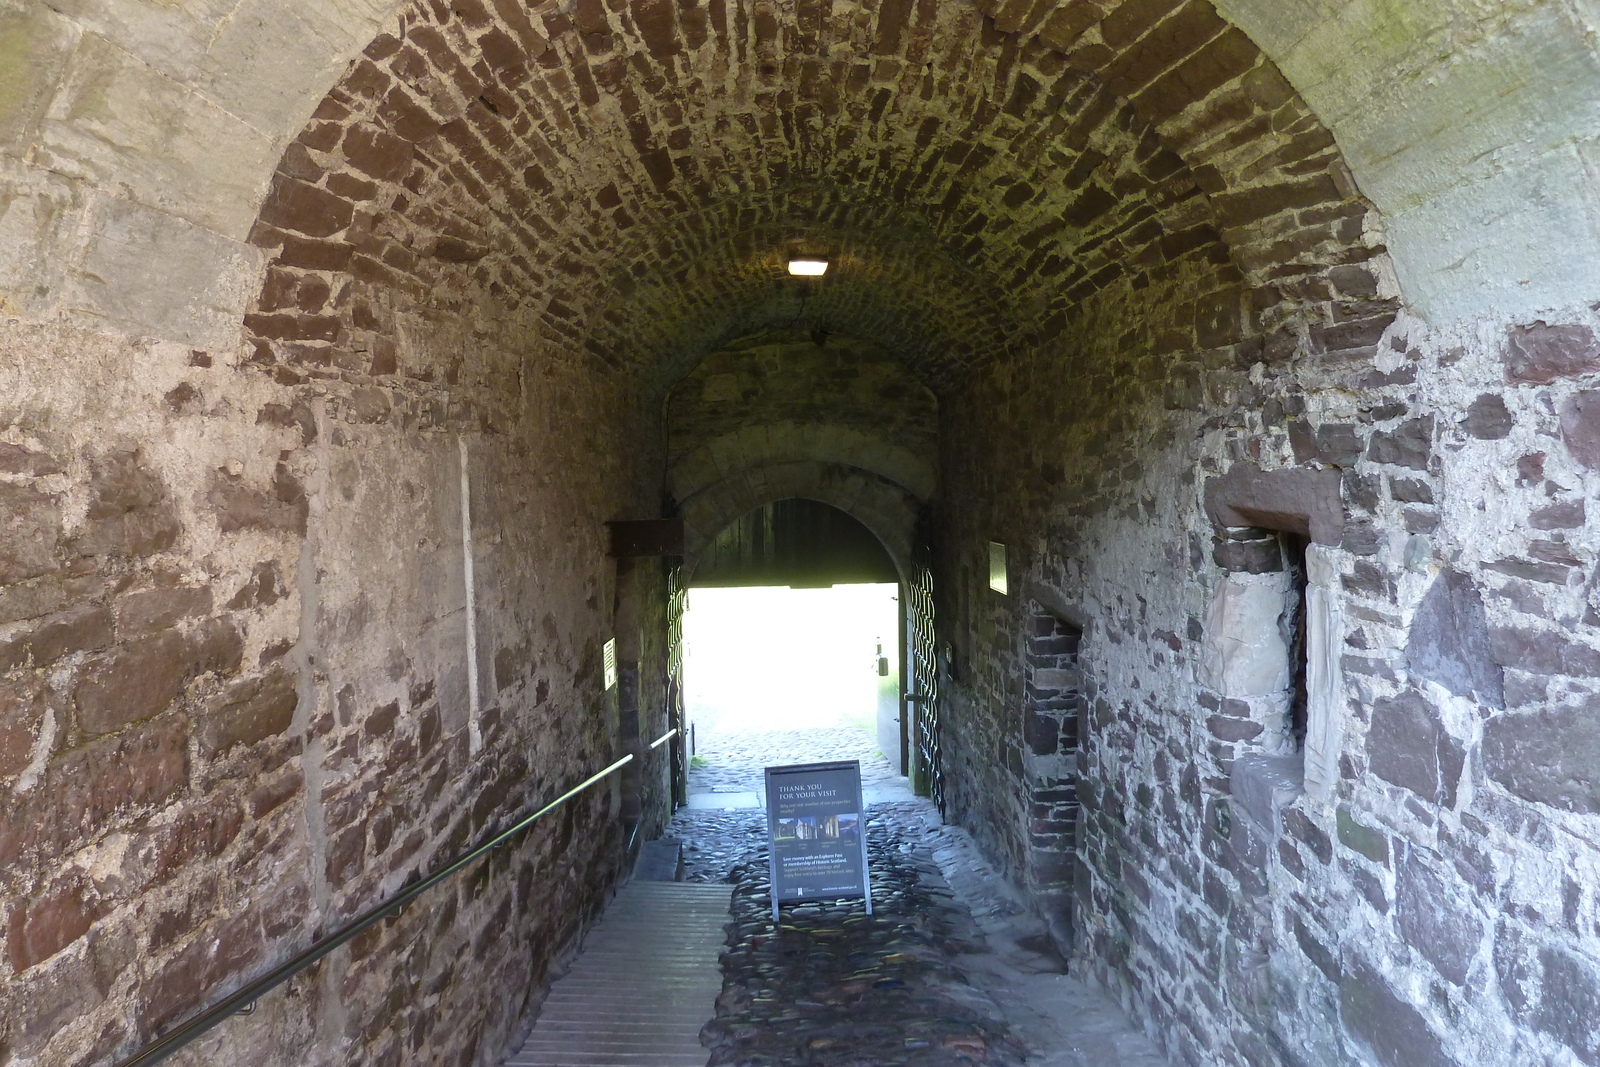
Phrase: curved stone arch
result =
(889, 510)
(776, 444)
(1064, 189)
(91, 199)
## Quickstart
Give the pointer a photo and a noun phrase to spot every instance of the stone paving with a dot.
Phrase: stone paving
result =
(949, 970)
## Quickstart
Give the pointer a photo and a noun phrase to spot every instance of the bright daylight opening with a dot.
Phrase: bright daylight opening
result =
(776, 675)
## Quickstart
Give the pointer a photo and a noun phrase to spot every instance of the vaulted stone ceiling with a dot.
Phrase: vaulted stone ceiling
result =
(629, 179)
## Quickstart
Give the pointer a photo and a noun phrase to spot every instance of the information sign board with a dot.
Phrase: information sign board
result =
(816, 833)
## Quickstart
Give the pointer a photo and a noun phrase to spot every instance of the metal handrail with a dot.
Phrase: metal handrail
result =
(663, 739)
(243, 1001)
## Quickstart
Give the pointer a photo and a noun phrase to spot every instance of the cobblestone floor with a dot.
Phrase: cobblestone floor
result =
(949, 970)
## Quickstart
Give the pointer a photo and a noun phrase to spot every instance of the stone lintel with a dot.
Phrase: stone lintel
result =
(1295, 500)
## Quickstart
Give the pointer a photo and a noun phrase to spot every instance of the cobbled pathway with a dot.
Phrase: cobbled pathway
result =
(937, 975)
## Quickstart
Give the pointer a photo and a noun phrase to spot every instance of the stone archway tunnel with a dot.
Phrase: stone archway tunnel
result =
(1222, 375)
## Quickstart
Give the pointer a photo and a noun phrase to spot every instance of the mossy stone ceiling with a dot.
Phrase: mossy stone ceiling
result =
(629, 177)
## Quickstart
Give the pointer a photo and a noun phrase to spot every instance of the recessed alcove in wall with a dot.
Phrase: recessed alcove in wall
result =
(1052, 714)
(1270, 657)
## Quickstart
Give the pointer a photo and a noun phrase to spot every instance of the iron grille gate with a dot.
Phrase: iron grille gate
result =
(927, 770)
(677, 603)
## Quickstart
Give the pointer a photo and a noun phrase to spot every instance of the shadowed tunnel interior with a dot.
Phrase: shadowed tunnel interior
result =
(1219, 381)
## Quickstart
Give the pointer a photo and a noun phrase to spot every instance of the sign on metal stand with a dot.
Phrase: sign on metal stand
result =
(816, 833)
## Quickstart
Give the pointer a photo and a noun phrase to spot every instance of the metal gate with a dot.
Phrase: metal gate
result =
(677, 602)
(927, 770)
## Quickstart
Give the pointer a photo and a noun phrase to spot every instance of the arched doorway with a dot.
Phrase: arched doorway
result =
(793, 649)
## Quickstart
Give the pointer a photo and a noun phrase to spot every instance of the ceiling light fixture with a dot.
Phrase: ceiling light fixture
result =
(808, 266)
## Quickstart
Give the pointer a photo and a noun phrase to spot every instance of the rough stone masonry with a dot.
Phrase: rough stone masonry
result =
(1258, 337)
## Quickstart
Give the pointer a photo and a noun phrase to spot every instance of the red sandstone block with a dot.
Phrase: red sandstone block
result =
(406, 118)
(1068, 22)
(195, 974)
(345, 855)
(30, 526)
(144, 677)
(382, 47)
(248, 711)
(21, 713)
(202, 832)
(146, 610)
(58, 636)
(41, 927)
(367, 81)
(515, 15)
(312, 255)
(295, 205)
(1168, 45)
(378, 153)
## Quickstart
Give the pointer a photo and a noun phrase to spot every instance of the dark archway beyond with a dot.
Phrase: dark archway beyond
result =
(801, 543)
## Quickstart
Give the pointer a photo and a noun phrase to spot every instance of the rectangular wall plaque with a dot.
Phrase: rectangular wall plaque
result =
(997, 568)
(609, 655)
(817, 833)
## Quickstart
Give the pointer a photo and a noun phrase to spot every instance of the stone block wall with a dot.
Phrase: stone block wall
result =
(238, 702)
(1434, 904)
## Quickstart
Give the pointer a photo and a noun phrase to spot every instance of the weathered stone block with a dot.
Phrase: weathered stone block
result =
(1449, 641)
(40, 40)
(1263, 786)
(61, 635)
(45, 1000)
(302, 208)
(1408, 445)
(15, 459)
(203, 831)
(1309, 834)
(1438, 917)
(30, 527)
(21, 713)
(1244, 654)
(1354, 835)
(1409, 746)
(1411, 490)
(1580, 427)
(1541, 353)
(1550, 756)
(1231, 729)
(1563, 515)
(1299, 501)
(1041, 733)
(227, 948)
(1488, 418)
(199, 296)
(264, 588)
(242, 506)
(248, 711)
(44, 926)
(157, 609)
(1393, 1031)
(1319, 954)
(1570, 1004)
(1541, 651)
(145, 676)
(1248, 557)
